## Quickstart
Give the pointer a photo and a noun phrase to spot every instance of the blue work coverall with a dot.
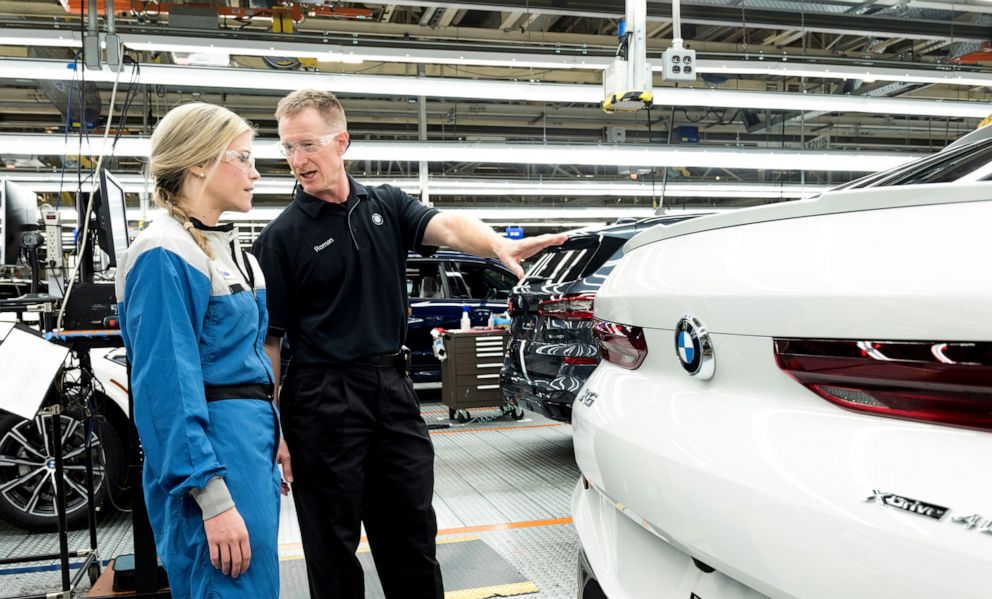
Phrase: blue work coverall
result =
(191, 325)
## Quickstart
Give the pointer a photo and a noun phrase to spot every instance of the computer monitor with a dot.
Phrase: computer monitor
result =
(18, 213)
(111, 217)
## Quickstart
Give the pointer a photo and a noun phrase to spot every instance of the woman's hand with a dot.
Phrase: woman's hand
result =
(227, 536)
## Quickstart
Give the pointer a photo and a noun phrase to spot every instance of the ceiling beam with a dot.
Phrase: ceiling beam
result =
(510, 20)
(448, 17)
(487, 90)
(428, 14)
(531, 18)
(733, 16)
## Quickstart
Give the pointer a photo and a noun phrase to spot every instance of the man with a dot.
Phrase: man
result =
(335, 267)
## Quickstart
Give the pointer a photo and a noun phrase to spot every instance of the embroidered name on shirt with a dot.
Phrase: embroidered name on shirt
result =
(317, 248)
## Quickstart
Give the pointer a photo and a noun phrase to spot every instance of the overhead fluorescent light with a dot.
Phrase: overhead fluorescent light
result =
(513, 153)
(625, 155)
(392, 86)
(201, 59)
(717, 98)
(335, 52)
(948, 75)
(511, 215)
(437, 186)
(52, 38)
(284, 81)
(592, 188)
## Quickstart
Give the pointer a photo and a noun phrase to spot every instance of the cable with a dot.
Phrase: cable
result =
(68, 124)
(81, 66)
(664, 174)
(744, 27)
(654, 198)
(89, 202)
(128, 100)
(94, 415)
(72, 393)
(708, 112)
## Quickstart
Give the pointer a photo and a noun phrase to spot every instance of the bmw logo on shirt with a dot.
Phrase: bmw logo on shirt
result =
(377, 218)
(694, 348)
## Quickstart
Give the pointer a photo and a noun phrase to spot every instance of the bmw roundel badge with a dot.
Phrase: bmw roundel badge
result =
(694, 348)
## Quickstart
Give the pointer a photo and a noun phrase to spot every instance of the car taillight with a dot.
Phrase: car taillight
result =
(620, 344)
(943, 382)
(568, 307)
(580, 361)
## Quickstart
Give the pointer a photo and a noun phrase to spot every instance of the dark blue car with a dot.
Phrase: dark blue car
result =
(552, 351)
(439, 287)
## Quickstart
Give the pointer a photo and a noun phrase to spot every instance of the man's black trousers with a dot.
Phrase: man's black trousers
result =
(361, 453)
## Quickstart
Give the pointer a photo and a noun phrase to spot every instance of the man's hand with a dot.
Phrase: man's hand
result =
(227, 536)
(511, 253)
(287, 469)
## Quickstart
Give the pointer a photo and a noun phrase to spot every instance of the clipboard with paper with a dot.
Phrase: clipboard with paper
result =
(28, 366)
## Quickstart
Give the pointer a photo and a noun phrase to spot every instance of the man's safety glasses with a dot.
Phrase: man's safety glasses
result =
(307, 147)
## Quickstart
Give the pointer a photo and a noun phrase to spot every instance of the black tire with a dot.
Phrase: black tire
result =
(518, 413)
(27, 492)
(93, 571)
(463, 416)
(452, 413)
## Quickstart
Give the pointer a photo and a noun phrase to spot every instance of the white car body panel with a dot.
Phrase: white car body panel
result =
(752, 473)
(111, 375)
(841, 275)
(642, 567)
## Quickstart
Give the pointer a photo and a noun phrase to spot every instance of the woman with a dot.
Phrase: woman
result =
(192, 311)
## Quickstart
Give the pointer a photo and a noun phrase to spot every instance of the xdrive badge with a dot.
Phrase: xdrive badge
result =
(907, 504)
(930, 510)
(694, 348)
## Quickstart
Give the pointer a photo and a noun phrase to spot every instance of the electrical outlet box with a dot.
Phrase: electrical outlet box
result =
(615, 135)
(92, 52)
(115, 56)
(53, 236)
(680, 64)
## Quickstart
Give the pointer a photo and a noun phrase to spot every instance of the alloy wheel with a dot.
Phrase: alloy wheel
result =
(27, 465)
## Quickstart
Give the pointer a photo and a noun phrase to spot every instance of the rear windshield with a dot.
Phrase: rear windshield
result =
(577, 258)
(942, 167)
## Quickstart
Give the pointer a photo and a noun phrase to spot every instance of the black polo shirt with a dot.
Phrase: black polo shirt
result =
(335, 274)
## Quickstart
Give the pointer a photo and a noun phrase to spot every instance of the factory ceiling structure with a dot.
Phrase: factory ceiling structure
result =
(496, 105)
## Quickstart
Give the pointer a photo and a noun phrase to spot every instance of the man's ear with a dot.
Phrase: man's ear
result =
(344, 142)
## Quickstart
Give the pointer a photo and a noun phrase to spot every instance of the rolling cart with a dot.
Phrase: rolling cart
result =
(470, 372)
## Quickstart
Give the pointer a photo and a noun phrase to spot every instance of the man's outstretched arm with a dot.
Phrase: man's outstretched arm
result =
(472, 236)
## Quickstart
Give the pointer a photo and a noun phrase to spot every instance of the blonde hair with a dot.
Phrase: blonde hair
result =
(189, 135)
(325, 103)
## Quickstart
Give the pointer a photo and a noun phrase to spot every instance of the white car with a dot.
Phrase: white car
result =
(27, 491)
(796, 400)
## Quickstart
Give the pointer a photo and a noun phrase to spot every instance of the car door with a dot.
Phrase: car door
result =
(482, 286)
(429, 309)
